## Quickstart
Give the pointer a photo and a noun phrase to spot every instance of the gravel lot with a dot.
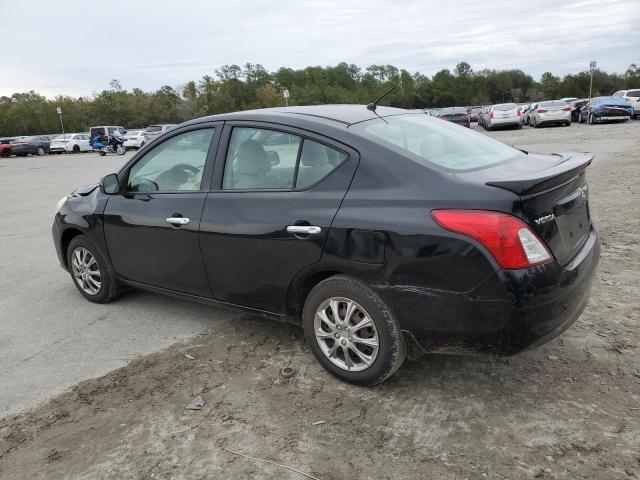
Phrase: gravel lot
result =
(570, 409)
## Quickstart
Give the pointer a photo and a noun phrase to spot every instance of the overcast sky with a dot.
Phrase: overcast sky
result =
(62, 47)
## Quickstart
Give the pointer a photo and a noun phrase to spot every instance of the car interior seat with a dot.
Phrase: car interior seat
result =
(252, 167)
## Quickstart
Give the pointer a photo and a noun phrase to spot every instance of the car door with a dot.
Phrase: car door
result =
(151, 227)
(274, 195)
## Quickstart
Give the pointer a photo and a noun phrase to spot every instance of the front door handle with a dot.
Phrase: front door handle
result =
(303, 229)
(178, 220)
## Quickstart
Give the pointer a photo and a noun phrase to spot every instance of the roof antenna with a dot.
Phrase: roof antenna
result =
(372, 106)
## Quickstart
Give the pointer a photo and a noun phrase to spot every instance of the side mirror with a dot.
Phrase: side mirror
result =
(110, 184)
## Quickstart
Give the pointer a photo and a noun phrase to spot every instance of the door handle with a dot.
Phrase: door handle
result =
(303, 229)
(178, 220)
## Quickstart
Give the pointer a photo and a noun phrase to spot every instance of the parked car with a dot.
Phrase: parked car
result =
(152, 131)
(576, 105)
(551, 112)
(457, 115)
(503, 115)
(482, 119)
(6, 149)
(382, 233)
(103, 132)
(606, 109)
(632, 96)
(70, 143)
(134, 139)
(34, 145)
(474, 113)
(523, 111)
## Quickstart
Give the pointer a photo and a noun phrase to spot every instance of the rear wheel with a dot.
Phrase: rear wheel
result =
(40, 151)
(6, 154)
(91, 274)
(76, 149)
(352, 332)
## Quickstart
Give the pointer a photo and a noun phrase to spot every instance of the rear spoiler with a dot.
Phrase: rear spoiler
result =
(571, 166)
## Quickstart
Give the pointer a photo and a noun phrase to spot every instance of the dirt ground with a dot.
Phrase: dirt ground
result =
(568, 410)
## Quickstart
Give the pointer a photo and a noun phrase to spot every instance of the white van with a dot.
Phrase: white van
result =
(104, 131)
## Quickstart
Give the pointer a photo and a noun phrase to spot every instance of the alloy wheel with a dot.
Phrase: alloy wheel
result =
(346, 334)
(86, 271)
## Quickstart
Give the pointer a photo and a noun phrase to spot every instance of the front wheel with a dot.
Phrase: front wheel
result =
(91, 274)
(352, 332)
(592, 119)
(121, 150)
(40, 151)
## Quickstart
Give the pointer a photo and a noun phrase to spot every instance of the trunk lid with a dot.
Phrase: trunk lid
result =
(553, 197)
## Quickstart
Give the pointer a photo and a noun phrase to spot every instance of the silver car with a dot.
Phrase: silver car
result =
(552, 112)
(503, 115)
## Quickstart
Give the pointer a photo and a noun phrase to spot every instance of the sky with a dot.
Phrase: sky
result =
(61, 47)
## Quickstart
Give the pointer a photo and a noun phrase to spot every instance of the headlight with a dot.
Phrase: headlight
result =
(60, 204)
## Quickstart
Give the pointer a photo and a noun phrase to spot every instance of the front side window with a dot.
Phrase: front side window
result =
(176, 164)
(258, 158)
(428, 140)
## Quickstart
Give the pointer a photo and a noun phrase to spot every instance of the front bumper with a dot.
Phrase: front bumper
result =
(508, 312)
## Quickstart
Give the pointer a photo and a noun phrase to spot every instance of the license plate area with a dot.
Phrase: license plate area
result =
(573, 219)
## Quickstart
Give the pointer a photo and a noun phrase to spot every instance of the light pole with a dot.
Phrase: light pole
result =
(64, 137)
(285, 94)
(592, 66)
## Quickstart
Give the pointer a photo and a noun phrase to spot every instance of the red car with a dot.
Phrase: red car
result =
(6, 149)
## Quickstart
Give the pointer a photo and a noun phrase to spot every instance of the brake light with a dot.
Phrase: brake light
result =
(541, 110)
(508, 239)
(568, 109)
(519, 113)
(444, 117)
(491, 115)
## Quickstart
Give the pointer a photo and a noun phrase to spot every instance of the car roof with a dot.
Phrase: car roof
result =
(345, 114)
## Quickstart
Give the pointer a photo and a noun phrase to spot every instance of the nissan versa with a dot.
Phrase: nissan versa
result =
(384, 233)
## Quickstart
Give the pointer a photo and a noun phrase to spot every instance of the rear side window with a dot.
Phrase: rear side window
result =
(260, 159)
(316, 162)
(433, 142)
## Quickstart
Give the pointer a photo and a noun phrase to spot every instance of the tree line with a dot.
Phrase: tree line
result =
(233, 87)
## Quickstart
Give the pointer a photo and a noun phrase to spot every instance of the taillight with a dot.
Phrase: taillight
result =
(508, 239)
(519, 113)
(491, 115)
(541, 110)
(568, 109)
(444, 117)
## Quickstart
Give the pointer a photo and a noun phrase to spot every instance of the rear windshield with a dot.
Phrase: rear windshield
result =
(553, 103)
(431, 141)
(154, 128)
(633, 93)
(505, 106)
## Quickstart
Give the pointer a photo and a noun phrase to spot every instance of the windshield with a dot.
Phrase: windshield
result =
(132, 133)
(554, 103)
(428, 140)
(505, 106)
(154, 128)
(633, 93)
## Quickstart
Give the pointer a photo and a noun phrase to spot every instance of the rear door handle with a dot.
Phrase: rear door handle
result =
(303, 229)
(178, 220)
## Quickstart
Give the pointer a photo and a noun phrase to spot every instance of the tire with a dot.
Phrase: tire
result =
(109, 287)
(592, 119)
(6, 154)
(40, 151)
(120, 150)
(76, 149)
(384, 329)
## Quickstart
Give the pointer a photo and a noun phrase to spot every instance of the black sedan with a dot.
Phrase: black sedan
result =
(36, 145)
(384, 233)
(457, 115)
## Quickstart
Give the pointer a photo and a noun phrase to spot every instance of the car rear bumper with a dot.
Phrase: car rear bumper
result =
(499, 122)
(508, 312)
